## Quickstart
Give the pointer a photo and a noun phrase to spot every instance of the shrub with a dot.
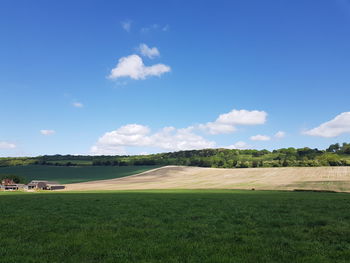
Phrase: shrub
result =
(16, 179)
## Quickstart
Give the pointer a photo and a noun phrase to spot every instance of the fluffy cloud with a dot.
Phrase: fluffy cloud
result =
(132, 66)
(126, 25)
(99, 149)
(148, 52)
(128, 135)
(238, 145)
(78, 104)
(217, 128)
(173, 139)
(47, 132)
(339, 125)
(227, 122)
(243, 117)
(280, 134)
(260, 137)
(168, 138)
(7, 145)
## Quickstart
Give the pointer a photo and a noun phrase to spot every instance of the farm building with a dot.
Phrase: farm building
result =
(12, 187)
(38, 185)
(7, 181)
(9, 185)
(43, 185)
(54, 186)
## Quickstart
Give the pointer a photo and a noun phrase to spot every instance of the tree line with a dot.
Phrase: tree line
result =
(335, 155)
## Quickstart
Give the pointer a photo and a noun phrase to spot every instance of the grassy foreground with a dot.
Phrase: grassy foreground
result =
(175, 226)
(74, 174)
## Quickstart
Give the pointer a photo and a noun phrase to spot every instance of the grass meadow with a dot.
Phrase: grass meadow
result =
(175, 226)
(73, 174)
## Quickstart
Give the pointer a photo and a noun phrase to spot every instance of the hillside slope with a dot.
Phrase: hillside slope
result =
(73, 174)
(183, 177)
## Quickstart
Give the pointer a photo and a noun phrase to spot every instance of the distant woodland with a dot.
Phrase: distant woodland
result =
(335, 155)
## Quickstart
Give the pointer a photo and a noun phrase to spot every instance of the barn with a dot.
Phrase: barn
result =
(44, 185)
(37, 185)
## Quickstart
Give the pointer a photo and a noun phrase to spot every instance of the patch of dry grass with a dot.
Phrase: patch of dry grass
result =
(182, 177)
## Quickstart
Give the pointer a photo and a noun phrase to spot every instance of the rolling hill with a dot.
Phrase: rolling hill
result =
(183, 177)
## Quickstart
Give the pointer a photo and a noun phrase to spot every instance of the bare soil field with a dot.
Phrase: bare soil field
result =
(181, 177)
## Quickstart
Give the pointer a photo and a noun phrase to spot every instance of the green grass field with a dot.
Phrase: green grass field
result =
(175, 226)
(73, 174)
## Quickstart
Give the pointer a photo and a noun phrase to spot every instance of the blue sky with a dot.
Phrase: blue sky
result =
(116, 77)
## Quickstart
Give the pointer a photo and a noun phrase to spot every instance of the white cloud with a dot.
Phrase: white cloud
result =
(217, 128)
(149, 52)
(339, 125)
(133, 129)
(47, 132)
(135, 135)
(78, 104)
(7, 145)
(280, 134)
(243, 117)
(108, 150)
(126, 25)
(132, 66)
(260, 137)
(174, 139)
(238, 145)
(227, 122)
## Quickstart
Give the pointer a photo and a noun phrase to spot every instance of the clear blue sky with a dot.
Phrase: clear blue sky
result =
(270, 66)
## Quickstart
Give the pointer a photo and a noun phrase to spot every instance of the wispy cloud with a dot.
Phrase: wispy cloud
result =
(47, 132)
(7, 145)
(126, 25)
(155, 27)
(279, 135)
(165, 28)
(78, 104)
(119, 84)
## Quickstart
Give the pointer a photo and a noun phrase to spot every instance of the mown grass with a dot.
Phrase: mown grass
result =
(73, 174)
(175, 226)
